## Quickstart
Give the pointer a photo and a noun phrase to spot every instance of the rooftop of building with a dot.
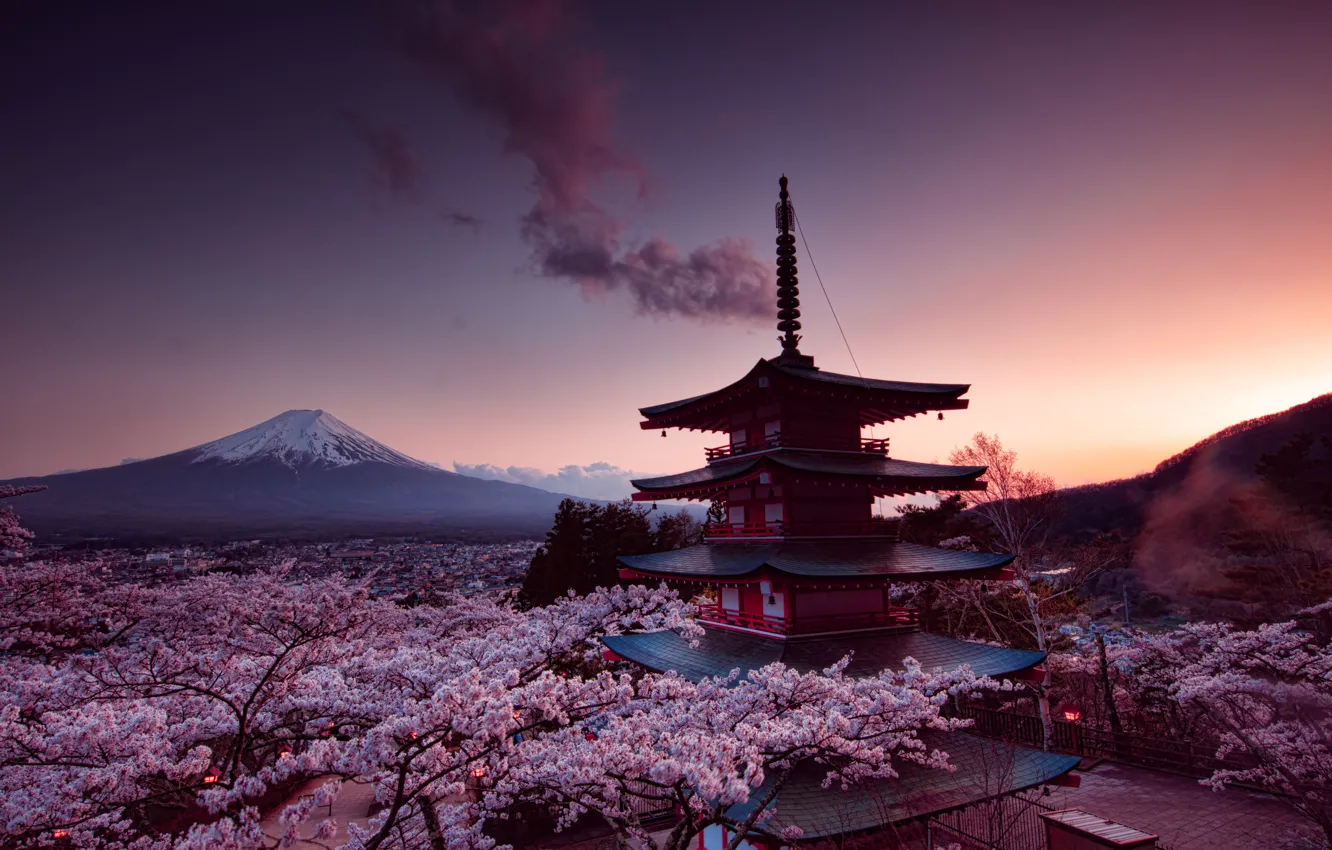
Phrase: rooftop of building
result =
(878, 400)
(886, 475)
(984, 769)
(720, 651)
(824, 559)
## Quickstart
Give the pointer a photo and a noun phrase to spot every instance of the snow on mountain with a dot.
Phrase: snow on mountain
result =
(302, 437)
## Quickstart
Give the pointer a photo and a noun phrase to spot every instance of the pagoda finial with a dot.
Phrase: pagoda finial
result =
(788, 292)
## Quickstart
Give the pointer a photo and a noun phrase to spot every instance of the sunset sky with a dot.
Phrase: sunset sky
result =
(453, 230)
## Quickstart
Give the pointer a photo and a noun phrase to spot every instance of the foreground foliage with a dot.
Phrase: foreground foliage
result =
(172, 716)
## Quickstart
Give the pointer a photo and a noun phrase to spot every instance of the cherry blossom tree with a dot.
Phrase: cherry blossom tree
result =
(719, 752)
(1019, 504)
(180, 713)
(167, 717)
(1264, 693)
(12, 535)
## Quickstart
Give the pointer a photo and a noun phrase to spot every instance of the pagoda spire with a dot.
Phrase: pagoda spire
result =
(788, 291)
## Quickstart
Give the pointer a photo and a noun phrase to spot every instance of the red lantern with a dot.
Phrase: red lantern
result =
(1071, 712)
(212, 776)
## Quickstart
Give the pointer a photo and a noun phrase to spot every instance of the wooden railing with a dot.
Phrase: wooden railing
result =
(893, 618)
(907, 619)
(777, 441)
(777, 528)
(743, 619)
(1010, 822)
(1175, 756)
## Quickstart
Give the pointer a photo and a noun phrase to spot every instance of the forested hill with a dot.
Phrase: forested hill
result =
(1237, 451)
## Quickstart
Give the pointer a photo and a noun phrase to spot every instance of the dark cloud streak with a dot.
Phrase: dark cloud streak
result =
(516, 63)
(395, 166)
(459, 219)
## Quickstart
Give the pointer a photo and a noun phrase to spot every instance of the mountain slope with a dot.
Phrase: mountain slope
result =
(303, 473)
(1121, 505)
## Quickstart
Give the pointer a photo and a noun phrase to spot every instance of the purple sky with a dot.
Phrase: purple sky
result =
(486, 234)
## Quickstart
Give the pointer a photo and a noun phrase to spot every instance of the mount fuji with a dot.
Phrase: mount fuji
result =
(304, 473)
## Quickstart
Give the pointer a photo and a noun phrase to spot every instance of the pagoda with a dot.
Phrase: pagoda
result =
(800, 570)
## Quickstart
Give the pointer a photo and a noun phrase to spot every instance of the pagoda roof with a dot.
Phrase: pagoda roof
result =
(879, 400)
(985, 769)
(818, 559)
(720, 651)
(888, 476)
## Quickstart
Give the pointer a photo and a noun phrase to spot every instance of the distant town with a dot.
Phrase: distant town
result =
(394, 567)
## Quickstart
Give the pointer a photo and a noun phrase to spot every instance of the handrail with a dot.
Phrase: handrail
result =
(1177, 756)
(778, 528)
(894, 618)
(777, 441)
(743, 619)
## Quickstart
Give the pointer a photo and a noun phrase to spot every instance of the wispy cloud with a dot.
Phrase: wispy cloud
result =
(593, 481)
(517, 63)
(394, 165)
(457, 219)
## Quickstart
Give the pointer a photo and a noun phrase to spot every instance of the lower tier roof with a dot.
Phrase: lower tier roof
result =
(985, 769)
(818, 559)
(885, 475)
(720, 651)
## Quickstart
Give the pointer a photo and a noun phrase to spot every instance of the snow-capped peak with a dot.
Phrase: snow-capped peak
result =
(300, 437)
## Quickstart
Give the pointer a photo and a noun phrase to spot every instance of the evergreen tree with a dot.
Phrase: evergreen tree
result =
(676, 531)
(928, 525)
(581, 548)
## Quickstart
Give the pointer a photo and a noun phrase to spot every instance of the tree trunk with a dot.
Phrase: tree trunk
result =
(432, 824)
(1043, 695)
(1108, 696)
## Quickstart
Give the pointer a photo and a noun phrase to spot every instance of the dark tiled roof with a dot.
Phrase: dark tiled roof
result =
(720, 651)
(944, 393)
(822, 559)
(853, 464)
(985, 769)
(872, 383)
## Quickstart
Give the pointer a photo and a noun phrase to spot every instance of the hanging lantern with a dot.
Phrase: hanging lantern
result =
(212, 776)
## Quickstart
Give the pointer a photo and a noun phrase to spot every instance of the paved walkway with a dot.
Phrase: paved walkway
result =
(1186, 815)
(353, 804)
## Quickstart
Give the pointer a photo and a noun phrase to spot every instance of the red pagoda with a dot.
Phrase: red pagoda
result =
(800, 569)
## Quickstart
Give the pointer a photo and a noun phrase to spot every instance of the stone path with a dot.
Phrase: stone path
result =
(1186, 815)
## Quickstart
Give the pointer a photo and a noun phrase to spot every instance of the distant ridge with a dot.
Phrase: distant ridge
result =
(1120, 504)
(303, 473)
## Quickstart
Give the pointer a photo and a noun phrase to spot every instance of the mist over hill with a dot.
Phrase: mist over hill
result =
(1123, 505)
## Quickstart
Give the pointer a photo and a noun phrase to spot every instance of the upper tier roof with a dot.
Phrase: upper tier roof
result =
(879, 401)
(819, 559)
(887, 476)
(720, 651)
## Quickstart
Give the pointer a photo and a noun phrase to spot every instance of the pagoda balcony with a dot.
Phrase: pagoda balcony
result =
(897, 619)
(777, 530)
(777, 441)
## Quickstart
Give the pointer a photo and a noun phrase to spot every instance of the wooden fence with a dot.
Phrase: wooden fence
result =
(1003, 823)
(1174, 756)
